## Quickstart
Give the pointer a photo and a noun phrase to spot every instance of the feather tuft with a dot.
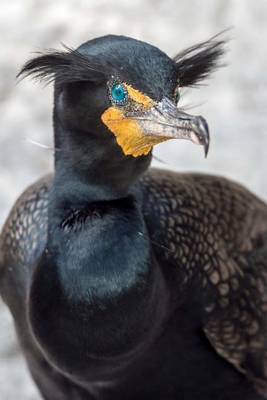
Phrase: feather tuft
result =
(195, 63)
(64, 67)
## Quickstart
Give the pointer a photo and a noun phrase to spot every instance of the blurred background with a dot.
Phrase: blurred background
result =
(234, 101)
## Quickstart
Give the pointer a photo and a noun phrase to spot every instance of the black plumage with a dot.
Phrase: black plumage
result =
(127, 282)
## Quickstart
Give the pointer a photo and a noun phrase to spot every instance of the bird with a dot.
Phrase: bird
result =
(126, 281)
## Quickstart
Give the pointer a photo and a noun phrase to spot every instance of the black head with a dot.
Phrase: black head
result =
(115, 98)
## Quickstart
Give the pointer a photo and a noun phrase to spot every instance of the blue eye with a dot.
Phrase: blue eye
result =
(118, 93)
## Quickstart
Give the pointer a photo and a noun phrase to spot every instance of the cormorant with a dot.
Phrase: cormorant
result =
(126, 282)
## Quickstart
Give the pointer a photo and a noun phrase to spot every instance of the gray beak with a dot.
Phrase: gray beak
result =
(165, 121)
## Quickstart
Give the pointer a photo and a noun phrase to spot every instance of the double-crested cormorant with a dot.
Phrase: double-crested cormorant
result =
(126, 282)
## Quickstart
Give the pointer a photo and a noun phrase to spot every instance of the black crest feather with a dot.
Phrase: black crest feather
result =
(195, 63)
(64, 67)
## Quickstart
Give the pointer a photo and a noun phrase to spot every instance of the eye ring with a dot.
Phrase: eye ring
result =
(118, 93)
(177, 95)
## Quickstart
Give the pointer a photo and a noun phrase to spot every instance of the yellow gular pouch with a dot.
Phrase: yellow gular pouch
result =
(129, 134)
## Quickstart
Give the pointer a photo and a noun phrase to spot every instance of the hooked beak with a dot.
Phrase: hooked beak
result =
(165, 121)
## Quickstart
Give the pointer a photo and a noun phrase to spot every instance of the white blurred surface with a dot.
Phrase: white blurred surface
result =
(234, 101)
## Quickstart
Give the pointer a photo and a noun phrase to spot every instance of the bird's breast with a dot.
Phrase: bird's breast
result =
(97, 297)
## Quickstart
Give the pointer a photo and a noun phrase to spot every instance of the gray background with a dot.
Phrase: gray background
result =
(234, 102)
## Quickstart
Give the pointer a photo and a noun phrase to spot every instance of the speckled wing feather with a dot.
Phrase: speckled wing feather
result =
(216, 232)
(24, 234)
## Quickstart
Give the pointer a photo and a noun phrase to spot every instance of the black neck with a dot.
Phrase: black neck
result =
(92, 167)
(98, 272)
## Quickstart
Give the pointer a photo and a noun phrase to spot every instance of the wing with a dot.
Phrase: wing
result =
(216, 232)
(22, 239)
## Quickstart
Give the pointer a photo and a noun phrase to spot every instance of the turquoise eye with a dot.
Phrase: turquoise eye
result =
(118, 93)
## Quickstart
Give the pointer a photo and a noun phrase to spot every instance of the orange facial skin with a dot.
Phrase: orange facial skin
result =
(139, 97)
(127, 131)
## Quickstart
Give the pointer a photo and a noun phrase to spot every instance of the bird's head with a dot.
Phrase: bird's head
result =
(118, 97)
